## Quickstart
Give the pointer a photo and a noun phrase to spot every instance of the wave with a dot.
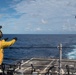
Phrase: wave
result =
(72, 54)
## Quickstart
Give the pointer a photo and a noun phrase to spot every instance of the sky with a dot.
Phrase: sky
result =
(38, 16)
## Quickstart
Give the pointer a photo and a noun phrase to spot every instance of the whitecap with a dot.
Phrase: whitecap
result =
(72, 54)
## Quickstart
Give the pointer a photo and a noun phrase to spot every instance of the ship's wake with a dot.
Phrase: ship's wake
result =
(72, 54)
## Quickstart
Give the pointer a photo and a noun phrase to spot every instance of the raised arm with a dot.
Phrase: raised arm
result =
(8, 43)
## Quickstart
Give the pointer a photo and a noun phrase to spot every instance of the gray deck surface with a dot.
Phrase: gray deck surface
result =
(44, 66)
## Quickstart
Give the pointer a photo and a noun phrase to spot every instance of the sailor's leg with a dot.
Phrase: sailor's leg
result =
(1, 58)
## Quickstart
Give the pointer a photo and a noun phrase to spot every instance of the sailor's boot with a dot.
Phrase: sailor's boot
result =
(1, 72)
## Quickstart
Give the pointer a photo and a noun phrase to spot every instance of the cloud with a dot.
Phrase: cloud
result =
(38, 29)
(1, 15)
(41, 15)
(44, 21)
(15, 0)
(44, 8)
(68, 26)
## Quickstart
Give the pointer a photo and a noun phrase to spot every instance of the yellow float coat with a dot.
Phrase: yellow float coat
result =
(4, 44)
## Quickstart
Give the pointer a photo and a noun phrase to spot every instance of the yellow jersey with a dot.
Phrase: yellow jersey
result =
(4, 44)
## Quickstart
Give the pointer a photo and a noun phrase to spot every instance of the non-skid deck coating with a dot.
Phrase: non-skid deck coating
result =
(46, 66)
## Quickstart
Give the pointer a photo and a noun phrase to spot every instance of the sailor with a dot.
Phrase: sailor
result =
(4, 44)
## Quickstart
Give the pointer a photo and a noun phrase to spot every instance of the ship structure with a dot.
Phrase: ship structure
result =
(41, 66)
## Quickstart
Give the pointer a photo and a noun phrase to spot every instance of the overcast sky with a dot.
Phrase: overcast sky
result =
(38, 16)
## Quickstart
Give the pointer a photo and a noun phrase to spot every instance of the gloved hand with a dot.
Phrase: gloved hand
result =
(6, 39)
(15, 38)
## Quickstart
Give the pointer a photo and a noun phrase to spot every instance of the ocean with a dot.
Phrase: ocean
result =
(41, 40)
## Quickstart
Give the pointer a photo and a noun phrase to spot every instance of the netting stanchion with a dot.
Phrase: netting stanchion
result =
(60, 58)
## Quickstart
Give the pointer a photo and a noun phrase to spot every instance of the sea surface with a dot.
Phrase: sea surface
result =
(41, 40)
